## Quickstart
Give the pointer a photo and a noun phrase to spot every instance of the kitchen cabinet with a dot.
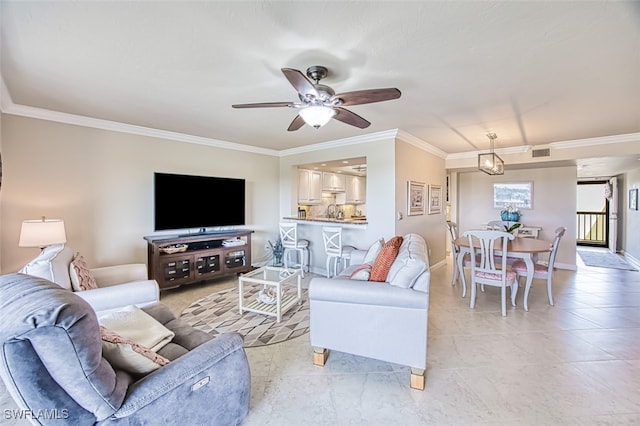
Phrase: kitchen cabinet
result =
(309, 187)
(333, 182)
(355, 190)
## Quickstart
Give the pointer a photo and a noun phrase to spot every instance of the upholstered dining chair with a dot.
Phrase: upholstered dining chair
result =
(486, 270)
(542, 270)
(499, 225)
(452, 227)
(337, 253)
(292, 244)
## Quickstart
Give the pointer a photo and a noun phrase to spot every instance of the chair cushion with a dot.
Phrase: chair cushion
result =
(384, 259)
(127, 355)
(510, 259)
(511, 275)
(539, 269)
(410, 262)
(80, 274)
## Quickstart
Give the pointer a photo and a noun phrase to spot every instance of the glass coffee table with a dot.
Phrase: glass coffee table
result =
(271, 300)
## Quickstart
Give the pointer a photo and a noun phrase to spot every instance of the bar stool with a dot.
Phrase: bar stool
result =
(336, 252)
(291, 243)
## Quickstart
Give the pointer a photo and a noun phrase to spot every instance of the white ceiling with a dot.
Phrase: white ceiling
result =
(532, 72)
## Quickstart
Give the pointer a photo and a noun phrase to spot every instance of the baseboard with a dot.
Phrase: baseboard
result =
(567, 266)
(632, 260)
(440, 264)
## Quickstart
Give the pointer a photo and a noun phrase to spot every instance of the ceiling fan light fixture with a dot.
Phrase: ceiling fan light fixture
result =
(317, 116)
(491, 163)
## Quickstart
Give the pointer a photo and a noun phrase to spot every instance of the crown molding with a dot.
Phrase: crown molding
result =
(417, 142)
(577, 143)
(337, 143)
(9, 107)
(96, 123)
(602, 140)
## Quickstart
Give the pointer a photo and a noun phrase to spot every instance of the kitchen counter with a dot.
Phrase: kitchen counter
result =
(324, 220)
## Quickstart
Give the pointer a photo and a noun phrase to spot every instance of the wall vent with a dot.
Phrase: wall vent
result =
(541, 152)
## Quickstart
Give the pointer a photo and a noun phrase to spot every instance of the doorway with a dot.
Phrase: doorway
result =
(592, 216)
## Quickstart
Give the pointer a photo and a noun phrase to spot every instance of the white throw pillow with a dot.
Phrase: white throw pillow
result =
(373, 251)
(410, 262)
(51, 264)
(133, 323)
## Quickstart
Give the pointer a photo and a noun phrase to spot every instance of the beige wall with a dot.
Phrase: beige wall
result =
(554, 204)
(630, 218)
(415, 164)
(101, 183)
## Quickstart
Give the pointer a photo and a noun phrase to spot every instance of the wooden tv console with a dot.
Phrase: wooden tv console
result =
(205, 257)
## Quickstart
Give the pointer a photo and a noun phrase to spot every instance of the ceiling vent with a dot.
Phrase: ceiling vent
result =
(546, 152)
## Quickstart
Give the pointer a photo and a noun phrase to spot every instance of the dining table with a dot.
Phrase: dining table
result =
(526, 249)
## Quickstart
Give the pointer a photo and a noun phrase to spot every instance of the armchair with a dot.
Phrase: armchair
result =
(51, 362)
(118, 286)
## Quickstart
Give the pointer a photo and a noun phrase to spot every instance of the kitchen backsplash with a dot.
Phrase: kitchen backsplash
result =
(320, 210)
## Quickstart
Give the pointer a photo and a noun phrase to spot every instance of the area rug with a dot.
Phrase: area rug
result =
(604, 259)
(218, 313)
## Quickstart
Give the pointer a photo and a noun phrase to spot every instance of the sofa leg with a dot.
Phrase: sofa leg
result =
(320, 356)
(417, 379)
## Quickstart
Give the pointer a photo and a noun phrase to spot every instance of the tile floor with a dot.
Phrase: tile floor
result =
(577, 363)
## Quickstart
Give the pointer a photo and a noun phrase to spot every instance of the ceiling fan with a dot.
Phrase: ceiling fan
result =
(319, 103)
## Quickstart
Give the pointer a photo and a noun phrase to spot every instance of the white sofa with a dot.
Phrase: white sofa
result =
(118, 286)
(385, 321)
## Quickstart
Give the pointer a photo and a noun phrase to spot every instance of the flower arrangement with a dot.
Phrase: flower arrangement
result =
(277, 250)
(510, 213)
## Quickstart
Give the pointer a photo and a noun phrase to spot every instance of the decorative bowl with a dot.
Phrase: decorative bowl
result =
(175, 248)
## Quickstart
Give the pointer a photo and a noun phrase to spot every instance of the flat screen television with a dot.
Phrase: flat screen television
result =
(188, 201)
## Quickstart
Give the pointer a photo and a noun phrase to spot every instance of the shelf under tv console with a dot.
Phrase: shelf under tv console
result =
(205, 257)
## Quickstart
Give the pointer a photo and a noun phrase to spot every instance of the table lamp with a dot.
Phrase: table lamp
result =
(42, 233)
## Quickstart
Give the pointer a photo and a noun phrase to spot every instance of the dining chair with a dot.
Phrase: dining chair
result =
(499, 225)
(292, 244)
(452, 227)
(542, 270)
(485, 270)
(337, 254)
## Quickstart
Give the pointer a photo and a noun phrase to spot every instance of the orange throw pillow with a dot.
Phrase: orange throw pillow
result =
(384, 260)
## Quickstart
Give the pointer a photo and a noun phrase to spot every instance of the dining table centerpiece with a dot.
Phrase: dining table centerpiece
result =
(510, 214)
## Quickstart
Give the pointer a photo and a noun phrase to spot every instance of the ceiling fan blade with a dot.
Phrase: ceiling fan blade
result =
(296, 123)
(360, 97)
(351, 118)
(300, 82)
(264, 105)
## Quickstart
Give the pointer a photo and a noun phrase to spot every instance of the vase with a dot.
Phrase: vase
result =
(508, 216)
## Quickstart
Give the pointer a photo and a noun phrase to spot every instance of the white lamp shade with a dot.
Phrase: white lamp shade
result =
(317, 115)
(42, 233)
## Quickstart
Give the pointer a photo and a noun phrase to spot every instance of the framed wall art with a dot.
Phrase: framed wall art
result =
(517, 195)
(415, 198)
(435, 199)
(633, 199)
